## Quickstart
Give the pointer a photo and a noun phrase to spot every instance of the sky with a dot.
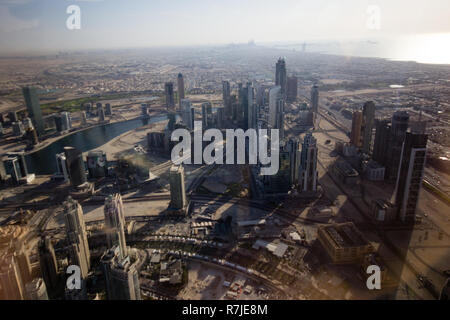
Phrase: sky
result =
(40, 25)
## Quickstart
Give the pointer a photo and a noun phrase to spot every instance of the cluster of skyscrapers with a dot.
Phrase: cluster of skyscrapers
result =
(399, 148)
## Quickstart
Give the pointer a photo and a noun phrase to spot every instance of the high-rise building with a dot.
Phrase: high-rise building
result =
(12, 287)
(399, 126)
(16, 166)
(260, 94)
(75, 166)
(279, 120)
(381, 142)
(187, 114)
(34, 108)
(292, 146)
(121, 274)
(177, 187)
(108, 109)
(355, 135)
(15, 267)
(251, 107)
(234, 108)
(219, 117)
(292, 85)
(226, 95)
(88, 107)
(315, 98)
(115, 224)
(144, 109)
(83, 118)
(308, 164)
(281, 76)
(170, 96)
(409, 180)
(48, 264)
(66, 120)
(206, 115)
(31, 136)
(172, 121)
(61, 164)
(97, 164)
(180, 83)
(101, 114)
(274, 97)
(36, 290)
(367, 126)
(119, 263)
(79, 253)
(242, 103)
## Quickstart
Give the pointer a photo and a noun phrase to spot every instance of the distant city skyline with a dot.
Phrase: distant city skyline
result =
(29, 26)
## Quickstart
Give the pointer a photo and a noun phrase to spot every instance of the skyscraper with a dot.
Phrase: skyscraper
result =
(75, 166)
(399, 126)
(367, 126)
(187, 113)
(308, 164)
(292, 146)
(115, 224)
(180, 83)
(170, 97)
(409, 179)
(34, 108)
(274, 97)
(226, 95)
(61, 164)
(251, 107)
(315, 98)
(36, 290)
(101, 114)
(219, 117)
(16, 166)
(292, 84)
(108, 109)
(281, 76)
(381, 142)
(206, 115)
(279, 121)
(177, 187)
(48, 264)
(355, 135)
(121, 274)
(79, 253)
(119, 263)
(10, 279)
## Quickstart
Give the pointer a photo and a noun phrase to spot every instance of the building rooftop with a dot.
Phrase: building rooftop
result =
(345, 235)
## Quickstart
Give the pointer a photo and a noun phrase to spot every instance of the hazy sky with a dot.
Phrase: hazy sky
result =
(35, 25)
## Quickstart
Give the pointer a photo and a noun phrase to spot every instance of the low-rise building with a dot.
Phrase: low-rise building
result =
(344, 243)
(382, 211)
(345, 172)
(373, 171)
